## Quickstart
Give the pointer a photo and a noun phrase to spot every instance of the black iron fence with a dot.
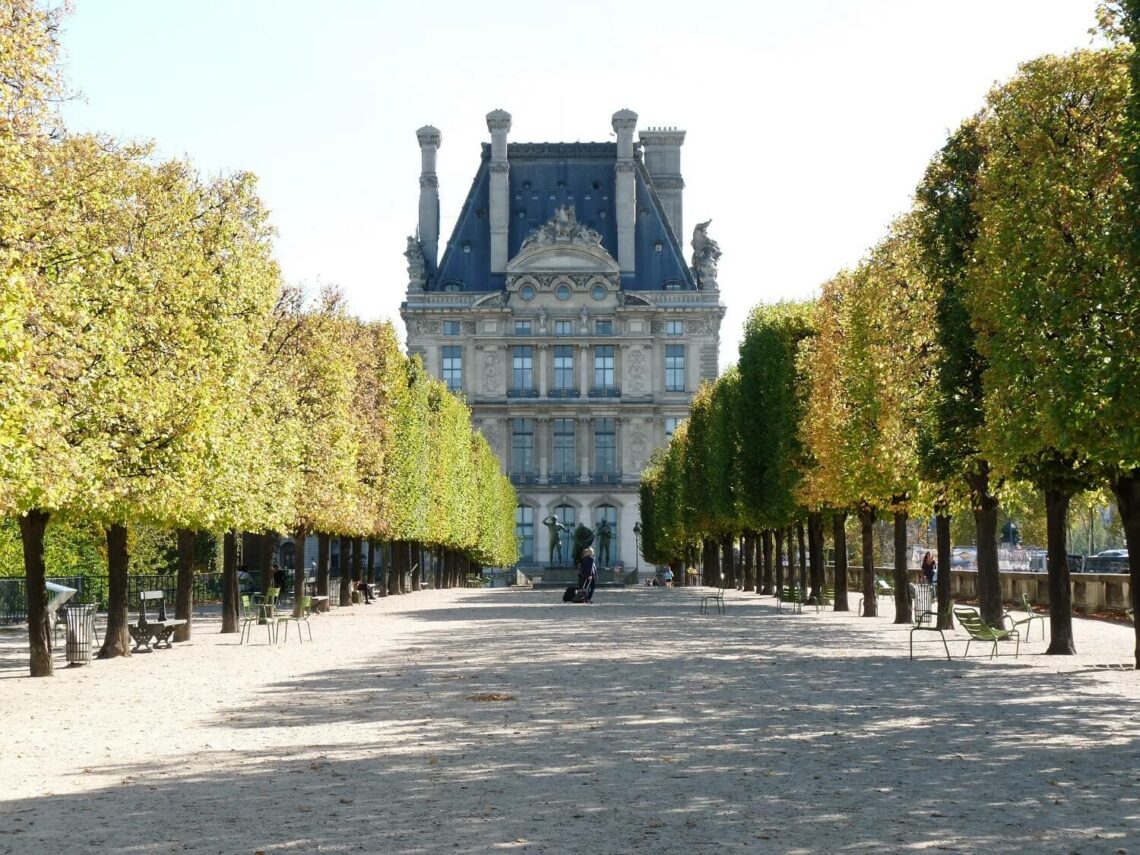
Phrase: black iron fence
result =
(14, 596)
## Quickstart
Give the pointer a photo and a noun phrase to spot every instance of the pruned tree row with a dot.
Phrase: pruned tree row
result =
(988, 342)
(154, 369)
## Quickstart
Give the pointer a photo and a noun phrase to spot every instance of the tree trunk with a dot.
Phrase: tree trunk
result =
(766, 548)
(357, 561)
(184, 590)
(1126, 487)
(710, 556)
(419, 556)
(986, 524)
(867, 530)
(229, 582)
(323, 569)
(904, 611)
(748, 556)
(299, 539)
(727, 562)
(779, 560)
(839, 544)
(394, 568)
(265, 552)
(815, 555)
(945, 609)
(345, 572)
(33, 524)
(1057, 561)
(803, 557)
(116, 641)
(370, 567)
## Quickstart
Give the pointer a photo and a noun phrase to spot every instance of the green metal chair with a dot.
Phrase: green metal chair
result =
(1027, 621)
(306, 604)
(928, 622)
(979, 630)
(254, 613)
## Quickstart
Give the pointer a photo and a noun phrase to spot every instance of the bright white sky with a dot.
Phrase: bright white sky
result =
(809, 124)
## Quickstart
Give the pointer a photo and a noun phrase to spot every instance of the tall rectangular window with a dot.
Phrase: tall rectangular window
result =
(604, 367)
(563, 366)
(451, 328)
(522, 367)
(671, 423)
(524, 531)
(452, 373)
(564, 328)
(522, 446)
(522, 328)
(605, 327)
(605, 446)
(674, 328)
(674, 368)
(564, 447)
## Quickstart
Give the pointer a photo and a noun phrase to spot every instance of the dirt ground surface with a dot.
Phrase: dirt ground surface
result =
(501, 720)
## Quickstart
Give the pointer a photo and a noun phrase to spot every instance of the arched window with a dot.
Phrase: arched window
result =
(524, 532)
(609, 514)
(569, 515)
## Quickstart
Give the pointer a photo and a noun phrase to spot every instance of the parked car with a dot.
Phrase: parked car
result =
(1112, 553)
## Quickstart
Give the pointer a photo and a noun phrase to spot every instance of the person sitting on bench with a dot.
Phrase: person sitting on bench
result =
(365, 591)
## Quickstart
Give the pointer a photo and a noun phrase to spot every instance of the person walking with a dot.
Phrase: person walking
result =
(928, 567)
(587, 575)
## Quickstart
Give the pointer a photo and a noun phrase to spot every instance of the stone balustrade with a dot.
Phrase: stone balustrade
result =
(1092, 592)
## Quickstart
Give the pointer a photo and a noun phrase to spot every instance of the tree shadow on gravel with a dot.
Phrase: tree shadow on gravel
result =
(647, 728)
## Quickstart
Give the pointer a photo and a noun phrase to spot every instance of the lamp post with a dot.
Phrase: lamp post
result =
(637, 541)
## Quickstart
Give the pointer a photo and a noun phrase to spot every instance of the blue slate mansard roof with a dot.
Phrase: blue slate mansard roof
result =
(544, 176)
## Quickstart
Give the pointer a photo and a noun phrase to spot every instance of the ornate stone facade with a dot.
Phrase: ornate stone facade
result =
(577, 352)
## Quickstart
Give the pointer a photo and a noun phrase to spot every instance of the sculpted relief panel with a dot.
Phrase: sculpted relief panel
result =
(492, 371)
(635, 375)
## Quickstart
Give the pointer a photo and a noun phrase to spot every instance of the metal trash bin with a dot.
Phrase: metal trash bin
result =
(80, 633)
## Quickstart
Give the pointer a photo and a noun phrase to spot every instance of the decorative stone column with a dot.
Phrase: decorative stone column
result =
(584, 371)
(583, 431)
(625, 193)
(542, 360)
(499, 124)
(429, 139)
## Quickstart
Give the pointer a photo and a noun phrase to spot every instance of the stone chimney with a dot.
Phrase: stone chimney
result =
(662, 154)
(625, 193)
(499, 124)
(430, 139)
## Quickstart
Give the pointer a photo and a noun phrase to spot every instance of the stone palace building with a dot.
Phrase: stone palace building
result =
(563, 308)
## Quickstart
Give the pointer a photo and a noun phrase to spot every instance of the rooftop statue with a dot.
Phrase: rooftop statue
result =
(563, 227)
(417, 268)
(706, 254)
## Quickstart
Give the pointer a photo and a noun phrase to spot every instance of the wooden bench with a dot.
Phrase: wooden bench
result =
(716, 597)
(160, 630)
(473, 580)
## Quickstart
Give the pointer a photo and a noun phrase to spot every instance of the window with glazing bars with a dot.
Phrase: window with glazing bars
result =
(452, 367)
(563, 367)
(564, 463)
(674, 368)
(604, 367)
(524, 531)
(522, 367)
(522, 446)
(605, 447)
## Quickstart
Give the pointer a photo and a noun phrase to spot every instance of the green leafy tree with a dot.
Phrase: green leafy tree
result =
(1052, 293)
(949, 434)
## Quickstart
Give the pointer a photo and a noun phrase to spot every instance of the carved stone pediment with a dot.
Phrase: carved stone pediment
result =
(563, 245)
